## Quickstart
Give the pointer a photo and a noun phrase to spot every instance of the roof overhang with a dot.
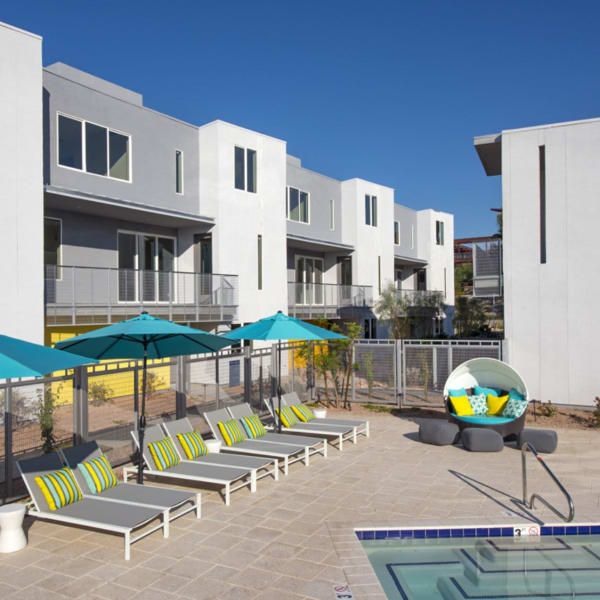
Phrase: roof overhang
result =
(306, 243)
(74, 200)
(409, 260)
(489, 150)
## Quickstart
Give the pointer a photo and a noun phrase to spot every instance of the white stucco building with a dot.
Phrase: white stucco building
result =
(550, 182)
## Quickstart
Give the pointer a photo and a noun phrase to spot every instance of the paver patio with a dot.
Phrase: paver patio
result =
(294, 538)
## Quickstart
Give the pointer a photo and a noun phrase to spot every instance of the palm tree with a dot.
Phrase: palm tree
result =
(392, 308)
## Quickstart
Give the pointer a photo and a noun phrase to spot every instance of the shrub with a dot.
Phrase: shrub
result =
(596, 413)
(100, 393)
(547, 409)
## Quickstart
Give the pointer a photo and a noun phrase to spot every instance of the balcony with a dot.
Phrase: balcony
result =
(325, 300)
(99, 296)
(422, 303)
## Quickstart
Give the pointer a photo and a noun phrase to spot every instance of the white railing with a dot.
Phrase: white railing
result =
(421, 301)
(326, 298)
(93, 295)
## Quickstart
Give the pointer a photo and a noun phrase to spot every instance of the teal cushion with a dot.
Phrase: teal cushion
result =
(514, 408)
(487, 390)
(482, 420)
(516, 395)
(457, 393)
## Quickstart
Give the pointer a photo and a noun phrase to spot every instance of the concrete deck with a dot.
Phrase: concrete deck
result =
(294, 538)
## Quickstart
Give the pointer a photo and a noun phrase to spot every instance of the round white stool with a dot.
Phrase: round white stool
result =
(213, 445)
(12, 536)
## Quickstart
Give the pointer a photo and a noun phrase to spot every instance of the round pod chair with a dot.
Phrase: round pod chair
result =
(486, 372)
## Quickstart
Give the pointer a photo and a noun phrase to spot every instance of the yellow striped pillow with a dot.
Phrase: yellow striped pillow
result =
(253, 426)
(231, 431)
(287, 416)
(98, 474)
(163, 453)
(192, 443)
(59, 488)
(303, 412)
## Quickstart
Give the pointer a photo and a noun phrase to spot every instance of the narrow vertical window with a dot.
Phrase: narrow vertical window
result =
(331, 214)
(118, 155)
(396, 233)
(240, 175)
(178, 172)
(542, 159)
(412, 237)
(95, 149)
(439, 233)
(367, 328)
(367, 210)
(374, 211)
(69, 143)
(251, 171)
(445, 289)
(379, 273)
(260, 271)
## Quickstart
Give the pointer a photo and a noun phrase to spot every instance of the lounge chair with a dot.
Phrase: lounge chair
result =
(288, 453)
(173, 502)
(341, 432)
(361, 426)
(107, 515)
(222, 459)
(314, 444)
(191, 471)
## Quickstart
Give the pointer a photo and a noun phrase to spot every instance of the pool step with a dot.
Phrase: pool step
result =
(497, 549)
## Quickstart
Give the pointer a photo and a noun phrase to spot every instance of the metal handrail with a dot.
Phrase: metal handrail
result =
(524, 448)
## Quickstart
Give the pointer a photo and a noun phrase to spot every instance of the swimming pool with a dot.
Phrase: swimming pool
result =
(477, 568)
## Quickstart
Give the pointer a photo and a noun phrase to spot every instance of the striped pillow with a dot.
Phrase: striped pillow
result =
(231, 431)
(192, 443)
(254, 428)
(59, 488)
(287, 416)
(303, 412)
(163, 453)
(98, 474)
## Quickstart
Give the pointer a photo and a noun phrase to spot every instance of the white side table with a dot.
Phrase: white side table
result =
(213, 445)
(320, 413)
(12, 536)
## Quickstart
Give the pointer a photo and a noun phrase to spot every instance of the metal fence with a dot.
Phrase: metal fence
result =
(101, 401)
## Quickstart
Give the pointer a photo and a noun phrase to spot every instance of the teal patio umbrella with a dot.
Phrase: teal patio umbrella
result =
(25, 359)
(144, 337)
(282, 327)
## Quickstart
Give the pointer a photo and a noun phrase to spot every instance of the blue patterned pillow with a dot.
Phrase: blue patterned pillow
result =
(514, 408)
(478, 404)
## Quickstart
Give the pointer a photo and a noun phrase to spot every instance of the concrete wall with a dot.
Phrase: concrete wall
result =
(409, 232)
(21, 196)
(154, 139)
(551, 322)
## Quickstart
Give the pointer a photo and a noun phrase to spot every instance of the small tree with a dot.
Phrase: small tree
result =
(368, 364)
(391, 307)
(45, 414)
(100, 393)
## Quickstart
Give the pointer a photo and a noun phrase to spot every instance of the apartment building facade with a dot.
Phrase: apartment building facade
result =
(550, 182)
(213, 226)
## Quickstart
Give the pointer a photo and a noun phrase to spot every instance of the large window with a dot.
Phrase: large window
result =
(244, 169)
(439, 233)
(93, 148)
(178, 172)
(297, 205)
(371, 210)
(396, 233)
(309, 280)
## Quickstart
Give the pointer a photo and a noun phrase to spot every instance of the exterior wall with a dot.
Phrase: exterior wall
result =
(550, 309)
(407, 217)
(154, 139)
(241, 216)
(21, 199)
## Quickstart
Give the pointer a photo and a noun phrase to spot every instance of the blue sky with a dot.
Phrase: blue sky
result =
(392, 92)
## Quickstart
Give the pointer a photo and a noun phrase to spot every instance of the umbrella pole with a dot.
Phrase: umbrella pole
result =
(142, 421)
(279, 386)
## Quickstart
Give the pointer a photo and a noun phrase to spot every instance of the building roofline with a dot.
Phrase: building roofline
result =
(19, 30)
(222, 122)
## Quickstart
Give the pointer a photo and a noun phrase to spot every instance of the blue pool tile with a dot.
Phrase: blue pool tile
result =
(368, 535)
(469, 532)
(457, 533)
(406, 533)
(508, 532)
(419, 533)
(380, 535)
(444, 533)
(393, 533)
(495, 532)
(546, 531)
(571, 530)
(431, 533)
(558, 531)
(359, 534)
(583, 530)
(595, 529)
(483, 532)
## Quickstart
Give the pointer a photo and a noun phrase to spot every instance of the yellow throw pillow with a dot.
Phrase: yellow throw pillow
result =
(461, 405)
(496, 404)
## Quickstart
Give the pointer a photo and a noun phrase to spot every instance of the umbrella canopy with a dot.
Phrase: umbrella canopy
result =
(127, 339)
(282, 327)
(24, 359)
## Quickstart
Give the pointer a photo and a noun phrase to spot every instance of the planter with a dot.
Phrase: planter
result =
(320, 413)
(213, 446)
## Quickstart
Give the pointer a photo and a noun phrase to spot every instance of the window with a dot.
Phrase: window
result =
(396, 233)
(260, 273)
(52, 240)
(297, 208)
(93, 148)
(371, 210)
(379, 273)
(178, 172)
(542, 162)
(245, 169)
(370, 329)
(309, 280)
(412, 237)
(331, 214)
(439, 233)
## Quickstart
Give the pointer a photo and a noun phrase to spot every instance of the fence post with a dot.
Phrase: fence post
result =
(403, 367)
(274, 370)
(434, 368)
(136, 395)
(217, 386)
(8, 453)
(247, 376)
(292, 367)
(450, 369)
(76, 406)
(261, 392)
(84, 405)
(180, 388)
(353, 371)
(398, 372)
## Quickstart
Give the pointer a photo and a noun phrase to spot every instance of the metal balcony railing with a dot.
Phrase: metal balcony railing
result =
(422, 302)
(325, 299)
(76, 295)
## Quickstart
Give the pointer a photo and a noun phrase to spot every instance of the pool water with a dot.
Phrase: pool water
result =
(558, 567)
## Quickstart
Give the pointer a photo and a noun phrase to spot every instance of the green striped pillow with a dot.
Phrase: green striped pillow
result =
(163, 453)
(192, 443)
(303, 412)
(98, 474)
(231, 431)
(254, 428)
(59, 488)
(287, 416)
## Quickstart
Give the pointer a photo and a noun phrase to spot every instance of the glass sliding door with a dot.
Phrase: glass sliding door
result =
(127, 273)
(299, 280)
(146, 256)
(166, 266)
(309, 280)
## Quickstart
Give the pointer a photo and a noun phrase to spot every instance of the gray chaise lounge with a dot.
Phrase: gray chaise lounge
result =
(107, 515)
(191, 471)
